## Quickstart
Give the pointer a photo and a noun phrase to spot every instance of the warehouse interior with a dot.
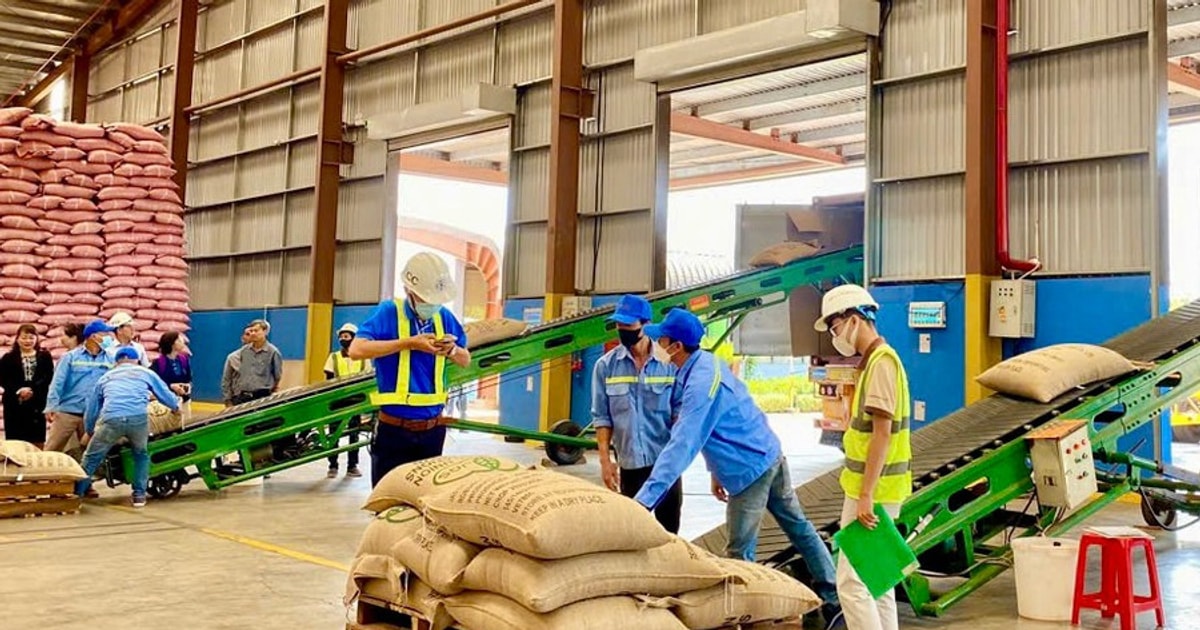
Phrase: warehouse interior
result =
(1006, 178)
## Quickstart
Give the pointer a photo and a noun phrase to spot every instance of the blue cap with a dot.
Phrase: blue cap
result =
(632, 309)
(679, 325)
(126, 352)
(96, 326)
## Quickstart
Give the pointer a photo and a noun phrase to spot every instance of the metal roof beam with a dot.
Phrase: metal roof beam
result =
(1183, 48)
(832, 133)
(417, 164)
(700, 128)
(1183, 80)
(20, 49)
(14, 19)
(30, 67)
(815, 88)
(736, 176)
(809, 115)
(1183, 15)
(51, 10)
(24, 38)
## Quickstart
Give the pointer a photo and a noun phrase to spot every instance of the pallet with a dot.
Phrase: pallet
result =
(40, 488)
(53, 506)
(376, 614)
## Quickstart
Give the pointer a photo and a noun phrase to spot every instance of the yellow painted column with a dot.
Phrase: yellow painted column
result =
(318, 340)
(982, 350)
(556, 376)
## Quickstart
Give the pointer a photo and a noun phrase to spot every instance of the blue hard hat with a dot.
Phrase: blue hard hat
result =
(632, 309)
(126, 352)
(96, 326)
(679, 325)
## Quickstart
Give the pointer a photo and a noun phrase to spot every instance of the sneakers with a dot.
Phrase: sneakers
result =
(139, 502)
(353, 472)
(332, 474)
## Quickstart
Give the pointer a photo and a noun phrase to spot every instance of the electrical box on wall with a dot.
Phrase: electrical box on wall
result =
(1013, 307)
(1063, 469)
(926, 314)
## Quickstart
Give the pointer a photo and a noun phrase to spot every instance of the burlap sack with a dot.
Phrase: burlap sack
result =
(16, 446)
(756, 593)
(37, 465)
(1049, 372)
(487, 331)
(385, 580)
(488, 611)
(544, 514)
(436, 557)
(408, 483)
(543, 586)
(388, 528)
(162, 419)
(784, 253)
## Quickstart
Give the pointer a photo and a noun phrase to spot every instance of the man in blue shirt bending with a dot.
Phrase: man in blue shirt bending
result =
(716, 416)
(411, 340)
(631, 409)
(117, 409)
(74, 379)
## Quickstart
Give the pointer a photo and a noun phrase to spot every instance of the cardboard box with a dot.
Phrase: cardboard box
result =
(837, 222)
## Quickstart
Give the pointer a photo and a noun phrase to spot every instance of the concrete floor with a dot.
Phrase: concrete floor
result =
(273, 554)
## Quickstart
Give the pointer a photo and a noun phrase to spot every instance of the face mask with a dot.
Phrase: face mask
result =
(629, 337)
(345, 343)
(426, 311)
(660, 353)
(846, 342)
(108, 342)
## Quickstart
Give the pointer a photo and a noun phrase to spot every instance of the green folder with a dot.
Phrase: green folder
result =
(880, 556)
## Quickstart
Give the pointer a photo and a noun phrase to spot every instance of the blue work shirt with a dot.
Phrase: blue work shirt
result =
(124, 392)
(74, 379)
(637, 407)
(715, 415)
(381, 326)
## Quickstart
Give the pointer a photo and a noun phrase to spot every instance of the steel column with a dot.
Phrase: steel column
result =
(569, 100)
(185, 65)
(80, 65)
(330, 156)
(981, 266)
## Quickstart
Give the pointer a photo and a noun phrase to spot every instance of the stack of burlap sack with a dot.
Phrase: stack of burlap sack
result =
(33, 482)
(478, 543)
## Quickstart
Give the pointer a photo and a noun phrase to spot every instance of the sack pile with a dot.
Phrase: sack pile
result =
(91, 223)
(34, 483)
(482, 544)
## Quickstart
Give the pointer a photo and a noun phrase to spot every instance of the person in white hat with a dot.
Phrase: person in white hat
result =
(411, 340)
(122, 324)
(340, 365)
(878, 452)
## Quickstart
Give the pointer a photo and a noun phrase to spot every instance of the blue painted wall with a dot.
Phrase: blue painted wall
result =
(936, 377)
(217, 333)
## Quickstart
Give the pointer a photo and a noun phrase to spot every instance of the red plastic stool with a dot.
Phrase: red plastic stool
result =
(1116, 596)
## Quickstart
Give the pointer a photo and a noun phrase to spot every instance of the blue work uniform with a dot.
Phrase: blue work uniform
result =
(75, 378)
(637, 407)
(397, 445)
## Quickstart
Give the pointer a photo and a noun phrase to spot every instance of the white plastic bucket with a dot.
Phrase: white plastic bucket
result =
(1045, 574)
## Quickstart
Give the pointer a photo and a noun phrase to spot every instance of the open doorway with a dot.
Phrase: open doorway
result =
(453, 201)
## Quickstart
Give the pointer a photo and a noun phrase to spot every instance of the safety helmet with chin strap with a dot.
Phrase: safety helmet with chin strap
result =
(842, 299)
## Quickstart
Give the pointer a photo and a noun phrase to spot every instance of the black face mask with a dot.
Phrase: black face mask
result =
(629, 338)
(345, 343)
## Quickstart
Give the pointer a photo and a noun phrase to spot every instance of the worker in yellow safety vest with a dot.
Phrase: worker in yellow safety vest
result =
(411, 340)
(340, 365)
(878, 451)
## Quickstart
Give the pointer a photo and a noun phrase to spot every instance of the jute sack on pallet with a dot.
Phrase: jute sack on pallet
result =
(756, 593)
(544, 514)
(487, 331)
(437, 557)
(388, 528)
(543, 586)
(1049, 372)
(162, 419)
(784, 253)
(408, 483)
(487, 611)
(386, 580)
(16, 447)
(38, 466)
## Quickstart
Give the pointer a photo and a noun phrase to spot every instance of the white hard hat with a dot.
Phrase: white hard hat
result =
(428, 276)
(121, 319)
(350, 328)
(841, 299)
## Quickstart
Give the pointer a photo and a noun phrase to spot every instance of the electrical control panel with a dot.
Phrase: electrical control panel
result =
(1013, 307)
(926, 314)
(1063, 469)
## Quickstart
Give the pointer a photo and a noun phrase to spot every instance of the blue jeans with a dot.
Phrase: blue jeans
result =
(773, 492)
(108, 432)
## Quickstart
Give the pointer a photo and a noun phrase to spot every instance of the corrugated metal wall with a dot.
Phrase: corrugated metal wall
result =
(1082, 119)
(132, 81)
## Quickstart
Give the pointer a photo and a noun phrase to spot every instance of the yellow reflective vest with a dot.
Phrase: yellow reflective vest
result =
(345, 366)
(403, 395)
(895, 482)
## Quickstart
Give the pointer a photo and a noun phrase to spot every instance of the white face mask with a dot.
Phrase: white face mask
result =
(846, 342)
(660, 353)
(425, 310)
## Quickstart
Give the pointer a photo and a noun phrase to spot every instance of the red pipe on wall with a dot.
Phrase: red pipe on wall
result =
(1002, 254)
